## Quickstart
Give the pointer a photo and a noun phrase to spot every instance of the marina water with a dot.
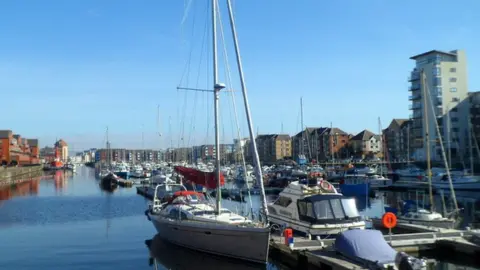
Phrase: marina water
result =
(65, 221)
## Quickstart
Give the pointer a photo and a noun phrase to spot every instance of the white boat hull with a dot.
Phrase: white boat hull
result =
(316, 229)
(446, 224)
(458, 185)
(249, 244)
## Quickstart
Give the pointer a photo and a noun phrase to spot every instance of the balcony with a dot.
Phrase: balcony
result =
(416, 115)
(414, 76)
(414, 97)
(414, 87)
(414, 106)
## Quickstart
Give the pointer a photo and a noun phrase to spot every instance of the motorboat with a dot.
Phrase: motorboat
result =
(137, 172)
(316, 211)
(187, 219)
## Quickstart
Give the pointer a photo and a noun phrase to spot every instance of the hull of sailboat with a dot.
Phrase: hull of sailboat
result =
(315, 229)
(446, 224)
(458, 185)
(249, 244)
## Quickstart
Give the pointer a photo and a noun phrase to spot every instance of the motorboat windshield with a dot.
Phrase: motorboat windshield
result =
(327, 208)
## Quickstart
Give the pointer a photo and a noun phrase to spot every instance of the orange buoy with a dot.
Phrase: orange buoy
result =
(389, 220)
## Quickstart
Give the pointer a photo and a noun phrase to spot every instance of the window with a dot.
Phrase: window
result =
(453, 69)
(437, 81)
(302, 208)
(337, 208)
(454, 119)
(323, 210)
(283, 201)
(350, 208)
(454, 109)
(310, 212)
(453, 79)
(455, 99)
(436, 71)
(455, 129)
(453, 89)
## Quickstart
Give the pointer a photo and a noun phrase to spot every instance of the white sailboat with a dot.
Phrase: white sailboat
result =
(418, 215)
(189, 220)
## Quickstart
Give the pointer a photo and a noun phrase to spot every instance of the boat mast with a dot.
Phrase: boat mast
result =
(216, 89)
(302, 146)
(427, 140)
(256, 159)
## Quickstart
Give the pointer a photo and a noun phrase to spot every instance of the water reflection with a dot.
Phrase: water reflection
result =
(169, 256)
(25, 188)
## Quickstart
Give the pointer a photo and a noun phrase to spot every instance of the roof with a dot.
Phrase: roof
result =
(432, 52)
(335, 131)
(363, 136)
(283, 137)
(5, 134)
(61, 143)
(308, 130)
(396, 121)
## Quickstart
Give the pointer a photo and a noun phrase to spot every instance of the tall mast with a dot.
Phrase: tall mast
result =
(330, 139)
(108, 152)
(256, 159)
(302, 146)
(470, 144)
(216, 89)
(427, 139)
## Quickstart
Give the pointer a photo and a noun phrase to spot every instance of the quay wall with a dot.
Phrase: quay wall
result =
(9, 173)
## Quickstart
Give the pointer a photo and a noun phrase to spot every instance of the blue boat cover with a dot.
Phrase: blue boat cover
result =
(369, 245)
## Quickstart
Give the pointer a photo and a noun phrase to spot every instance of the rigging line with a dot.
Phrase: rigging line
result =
(229, 79)
(186, 70)
(444, 156)
(197, 84)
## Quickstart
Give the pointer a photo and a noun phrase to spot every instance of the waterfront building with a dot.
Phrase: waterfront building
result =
(446, 81)
(366, 144)
(274, 147)
(393, 140)
(17, 150)
(62, 147)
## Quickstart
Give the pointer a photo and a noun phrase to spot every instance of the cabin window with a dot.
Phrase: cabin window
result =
(302, 208)
(323, 210)
(283, 201)
(173, 214)
(337, 208)
(183, 216)
(350, 208)
(310, 212)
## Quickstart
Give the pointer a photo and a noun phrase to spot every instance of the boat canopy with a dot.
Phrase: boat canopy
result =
(206, 179)
(193, 196)
(327, 208)
(367, 245)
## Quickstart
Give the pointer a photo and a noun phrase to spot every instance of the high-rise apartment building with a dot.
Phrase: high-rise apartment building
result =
(445, 84)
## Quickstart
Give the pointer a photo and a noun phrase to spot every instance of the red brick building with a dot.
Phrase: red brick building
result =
(17, 150)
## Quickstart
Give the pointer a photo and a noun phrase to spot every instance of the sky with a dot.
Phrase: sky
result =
(69, 69)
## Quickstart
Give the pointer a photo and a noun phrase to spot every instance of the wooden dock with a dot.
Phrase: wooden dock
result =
(320, 253)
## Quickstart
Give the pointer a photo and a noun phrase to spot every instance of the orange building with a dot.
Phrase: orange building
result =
(17, 150)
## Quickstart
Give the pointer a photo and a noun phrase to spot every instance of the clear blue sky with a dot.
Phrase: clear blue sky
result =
(70, 68)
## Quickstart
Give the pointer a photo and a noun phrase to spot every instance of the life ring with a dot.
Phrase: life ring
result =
(389, 220)
(325, 185)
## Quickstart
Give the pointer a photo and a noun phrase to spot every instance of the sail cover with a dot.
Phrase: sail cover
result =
(206, 179)
(368, 245)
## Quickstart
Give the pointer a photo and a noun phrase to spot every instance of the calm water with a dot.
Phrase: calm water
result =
(66, 221)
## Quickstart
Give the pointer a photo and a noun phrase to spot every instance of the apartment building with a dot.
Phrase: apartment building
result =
(366, 144)
(393, 136)
(438, 85)
(274, 147)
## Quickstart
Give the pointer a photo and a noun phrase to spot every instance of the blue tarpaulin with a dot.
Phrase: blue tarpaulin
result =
(369, 245)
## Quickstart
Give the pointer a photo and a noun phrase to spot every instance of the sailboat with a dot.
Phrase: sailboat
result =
(421, 216)
(188, 219)
(110, 180)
